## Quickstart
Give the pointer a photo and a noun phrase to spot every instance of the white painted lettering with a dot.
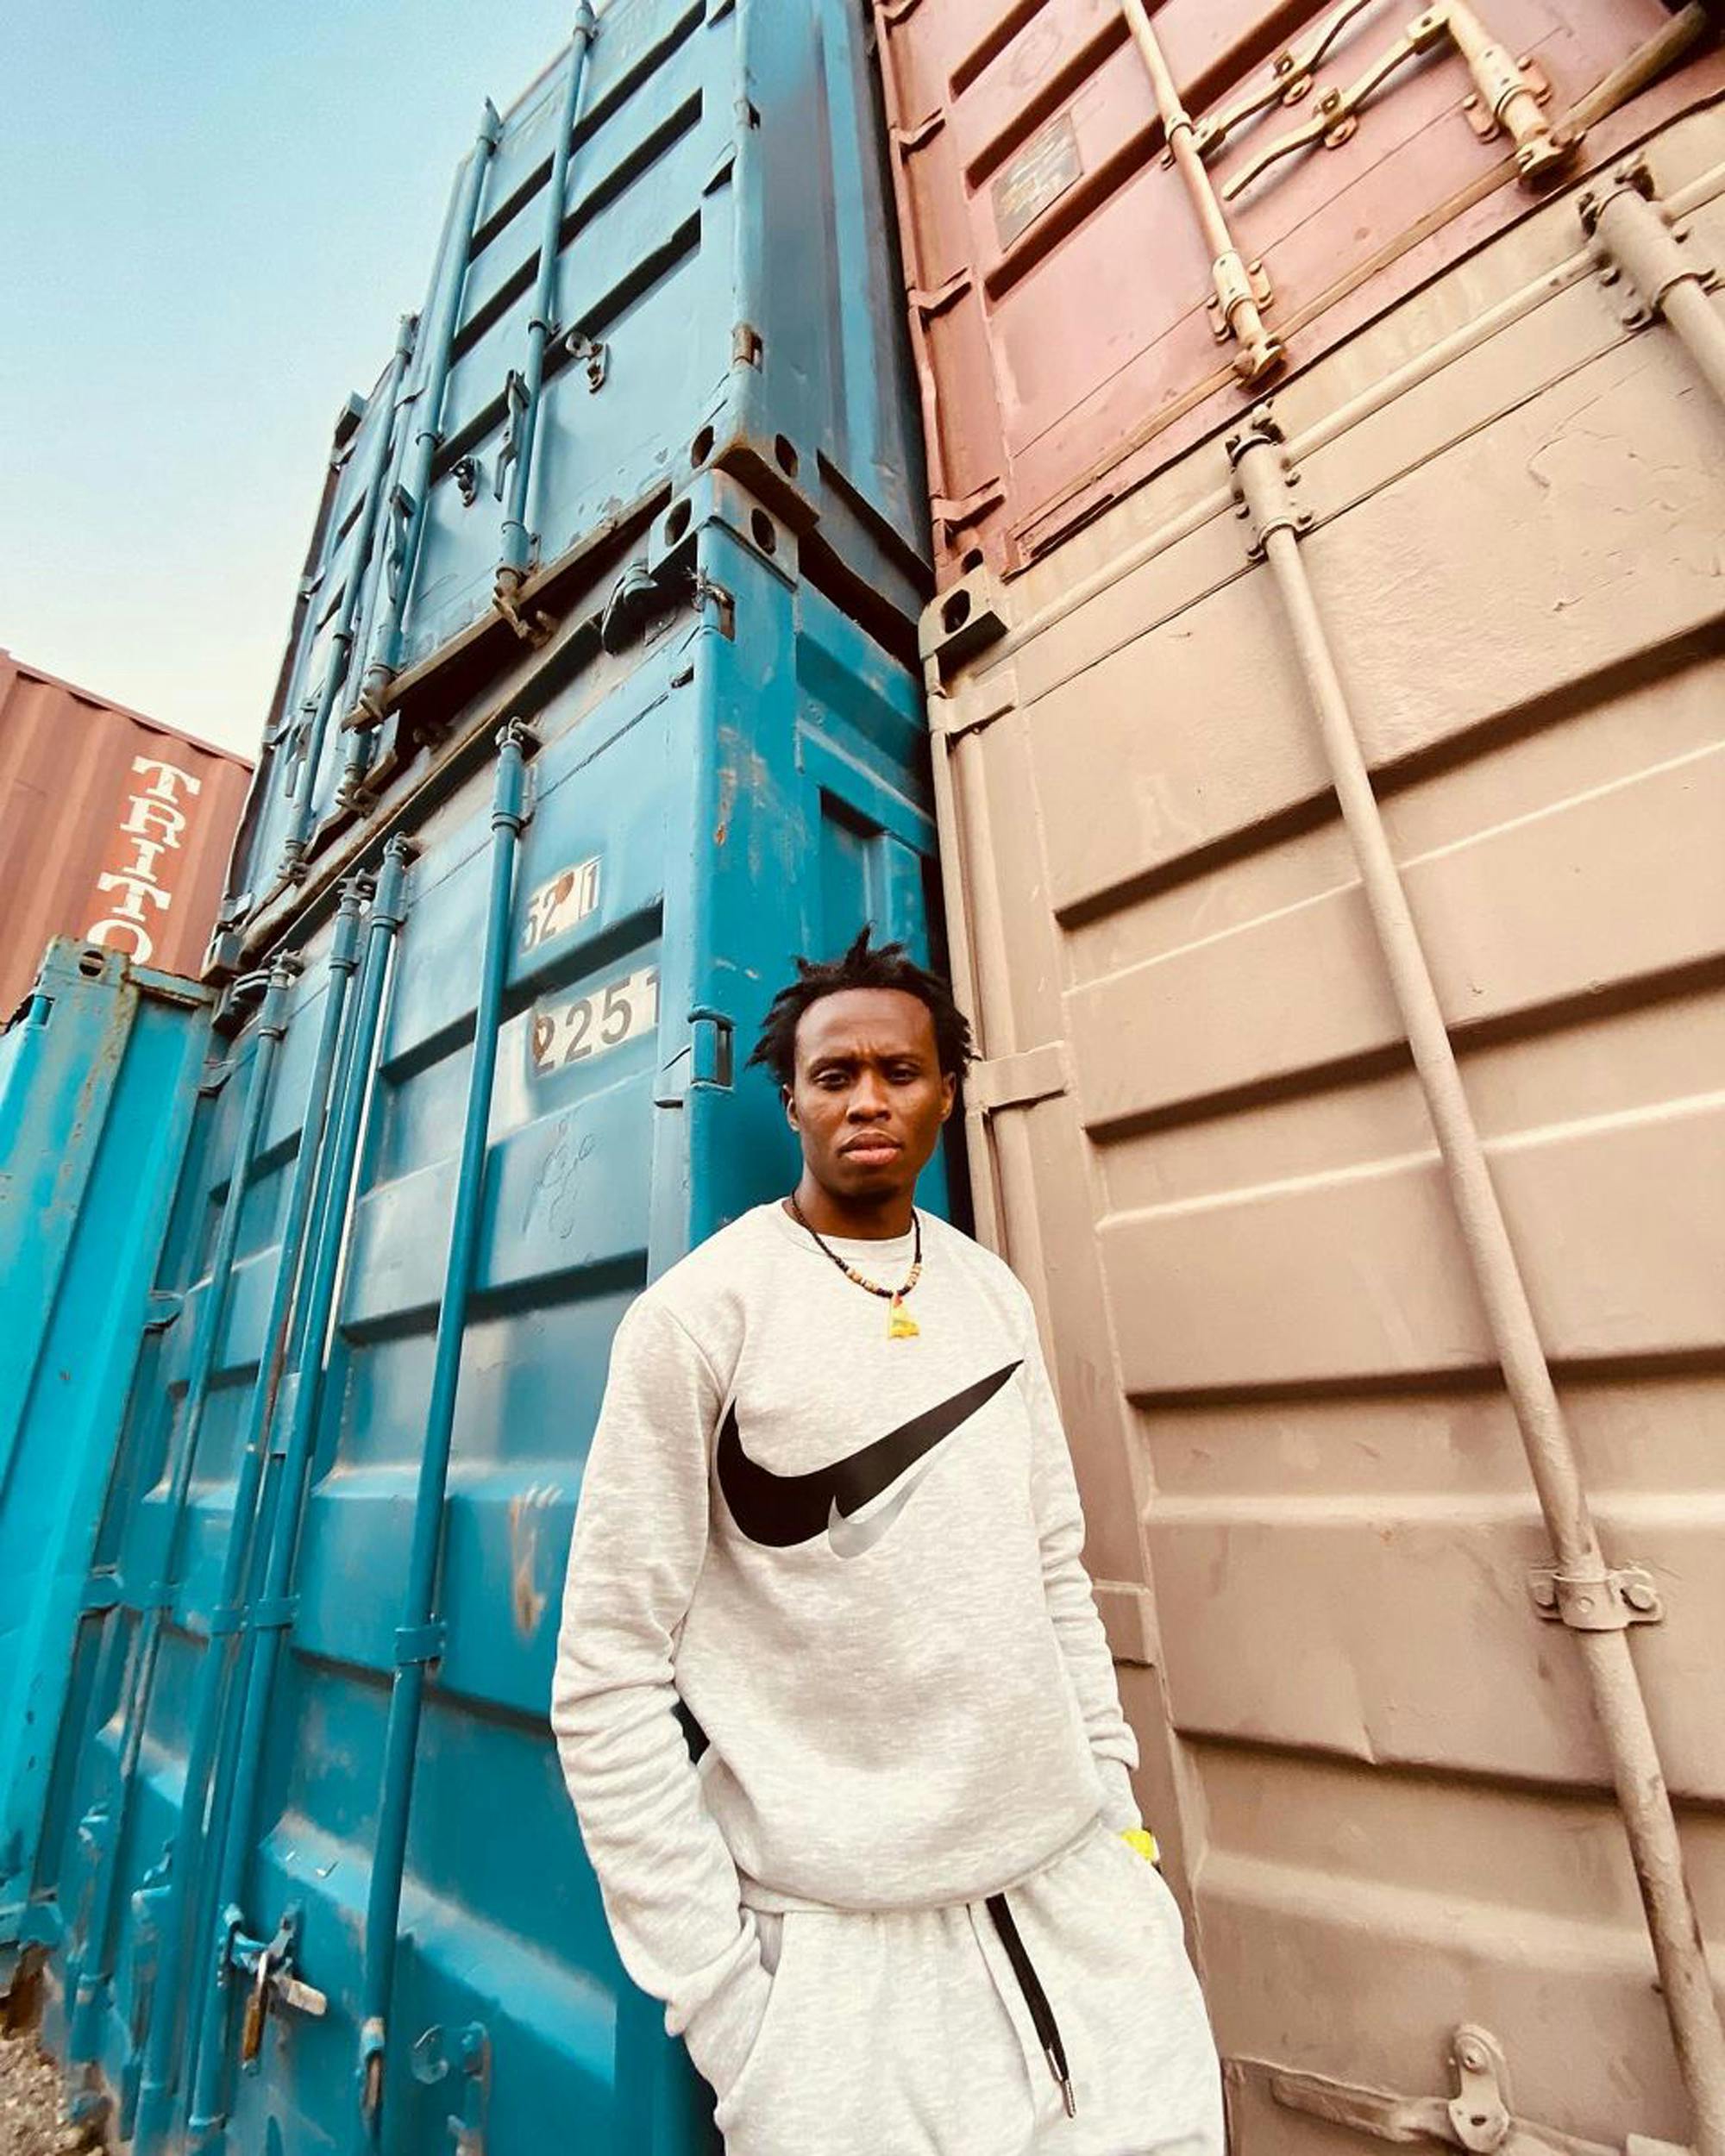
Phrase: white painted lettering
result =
(167, 774)
(143, 861)
(137, 889)
(110, 932)
(147, 813)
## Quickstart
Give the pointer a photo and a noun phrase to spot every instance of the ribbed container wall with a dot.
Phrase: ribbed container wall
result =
(719, 299)
(601, 701)
(1077, 326)
(1448, 575)
(740, 780)
(113, 828)
(99, 1076)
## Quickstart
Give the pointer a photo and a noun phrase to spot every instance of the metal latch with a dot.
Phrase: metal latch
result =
(592, 351)
(270, 1964)
(432, 2062)
(1478, 2117)
(1506, 97)
(515, 408)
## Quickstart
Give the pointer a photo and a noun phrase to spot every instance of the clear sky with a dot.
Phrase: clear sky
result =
(211, 214)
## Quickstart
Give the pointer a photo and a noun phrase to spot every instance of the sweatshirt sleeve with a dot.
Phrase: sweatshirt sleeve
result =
(1072, 1607)
(670, 1886)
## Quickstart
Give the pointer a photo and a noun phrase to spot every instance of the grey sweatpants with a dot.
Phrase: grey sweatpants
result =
(907, 2033)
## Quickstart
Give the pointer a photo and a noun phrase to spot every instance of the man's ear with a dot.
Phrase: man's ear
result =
(949, 1092)
(784, 1095)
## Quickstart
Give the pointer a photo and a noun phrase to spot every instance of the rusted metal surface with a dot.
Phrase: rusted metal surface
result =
(112, 828)
(1382, 1744)
(1084, 309)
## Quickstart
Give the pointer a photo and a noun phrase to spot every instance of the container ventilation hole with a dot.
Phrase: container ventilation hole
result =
(787, 455)
(676, 523)
(90, 963)
(971, 561)
(762, 525)
(955, 612)
(701, 448)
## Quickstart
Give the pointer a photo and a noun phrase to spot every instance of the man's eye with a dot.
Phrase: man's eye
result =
(831, 1081)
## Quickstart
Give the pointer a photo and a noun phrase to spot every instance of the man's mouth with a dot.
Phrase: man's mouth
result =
(867, 1149)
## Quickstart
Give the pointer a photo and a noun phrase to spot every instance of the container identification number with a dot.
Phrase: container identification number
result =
(566, 899)
(574, 1032)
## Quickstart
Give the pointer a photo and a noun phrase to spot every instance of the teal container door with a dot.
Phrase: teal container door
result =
(98, 1073)
(740, 781)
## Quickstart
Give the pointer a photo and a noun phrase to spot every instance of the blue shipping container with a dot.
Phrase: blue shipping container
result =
(317, 1878)
(98, 1076)
(674, 256)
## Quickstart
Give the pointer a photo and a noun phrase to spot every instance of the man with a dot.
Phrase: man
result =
(895, 1910)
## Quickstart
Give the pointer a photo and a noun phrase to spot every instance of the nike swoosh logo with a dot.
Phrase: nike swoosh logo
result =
(779, 1511)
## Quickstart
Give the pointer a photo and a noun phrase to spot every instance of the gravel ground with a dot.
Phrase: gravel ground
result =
(29, 2102)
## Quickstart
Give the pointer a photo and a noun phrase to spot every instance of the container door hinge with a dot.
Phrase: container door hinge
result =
(746, 347)
(984, 703)
(928, 304)
(706, 1060)
(1019, 1081)
(466, 2051)
(1477, 2117)
(907, 141)
(1599, 1602)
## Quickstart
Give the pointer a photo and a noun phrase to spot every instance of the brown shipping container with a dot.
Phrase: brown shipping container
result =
(1482, 538)
(111, 828)
(1060, 282)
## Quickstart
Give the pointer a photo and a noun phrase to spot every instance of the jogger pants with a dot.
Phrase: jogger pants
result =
(1074, 2028)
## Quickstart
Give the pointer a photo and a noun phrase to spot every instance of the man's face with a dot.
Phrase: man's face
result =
(869, 1096)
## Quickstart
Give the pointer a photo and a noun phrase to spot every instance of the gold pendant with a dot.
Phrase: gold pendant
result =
(900, 1326)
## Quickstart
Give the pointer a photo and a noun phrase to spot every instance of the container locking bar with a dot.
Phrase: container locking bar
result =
(1263, 475)
(1241, 289)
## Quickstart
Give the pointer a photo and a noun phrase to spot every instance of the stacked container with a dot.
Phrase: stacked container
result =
(113, 828)
(601, 701)
(1324, 424)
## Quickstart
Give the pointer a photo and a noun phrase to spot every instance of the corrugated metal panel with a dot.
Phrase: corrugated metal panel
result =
(1058, 272)
(98, 1081)
(742, 781)
(113, 829)
(683, 343)
(1376, 1766)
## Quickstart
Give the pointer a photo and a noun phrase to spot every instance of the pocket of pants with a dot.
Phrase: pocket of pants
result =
(735, 2097)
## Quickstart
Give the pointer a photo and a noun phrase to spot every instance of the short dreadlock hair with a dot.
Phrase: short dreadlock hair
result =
(863, 966)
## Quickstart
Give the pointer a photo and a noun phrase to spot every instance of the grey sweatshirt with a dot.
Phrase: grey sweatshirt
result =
(857, 1558)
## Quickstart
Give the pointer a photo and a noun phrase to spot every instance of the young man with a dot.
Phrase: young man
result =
(896, 1909)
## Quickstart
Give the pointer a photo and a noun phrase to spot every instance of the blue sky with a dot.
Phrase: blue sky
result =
(211, 217)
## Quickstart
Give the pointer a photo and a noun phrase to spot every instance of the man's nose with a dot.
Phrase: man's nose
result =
(867, 1099)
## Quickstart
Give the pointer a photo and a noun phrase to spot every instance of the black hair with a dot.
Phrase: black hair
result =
(863, 966)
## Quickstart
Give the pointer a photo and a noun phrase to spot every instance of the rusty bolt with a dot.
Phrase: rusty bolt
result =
(1639, 1595)
(1545, 1591)
(1469, 2055)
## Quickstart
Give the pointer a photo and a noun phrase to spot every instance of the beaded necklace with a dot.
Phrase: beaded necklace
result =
(900, 1326)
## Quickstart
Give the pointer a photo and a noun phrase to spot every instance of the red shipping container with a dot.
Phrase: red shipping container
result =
(112, 828)
(1066, 304)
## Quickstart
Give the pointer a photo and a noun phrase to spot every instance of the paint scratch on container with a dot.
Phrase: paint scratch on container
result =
(526, 1597)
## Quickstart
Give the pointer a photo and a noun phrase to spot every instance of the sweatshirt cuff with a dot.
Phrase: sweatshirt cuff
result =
(720, 2031)
(1119, 1806)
